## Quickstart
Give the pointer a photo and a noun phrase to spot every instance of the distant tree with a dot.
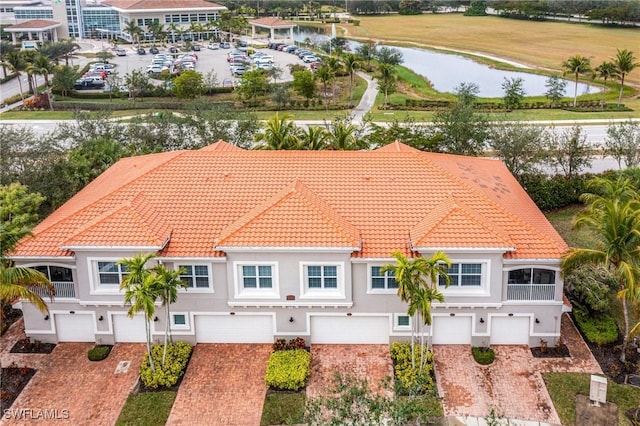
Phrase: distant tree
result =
(408, 131)
(137, 81)
(513, 92)
(605, 71)
(304, 83)
(13, 61)
(625, 63)
(569, 150)
(623, 143)
(281, 95)
(90, 159)
(519, 146)
(577, 65)
(253, 84)
(387, 80)
(555, 88)
(326, 76)
(280, 133)
(18, 212)
(367, 51)
(113, 82)
(410, 7)
(188, 85)
(104, 55)
(64, 77)
(132, 28)
(476, 8)
(351, 63)
(344, 135)
(389, 56)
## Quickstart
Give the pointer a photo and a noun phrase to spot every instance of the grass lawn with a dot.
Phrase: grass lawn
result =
(563, 388)
(562, 220)
(147, 408)
(543, 44)
(283, 408)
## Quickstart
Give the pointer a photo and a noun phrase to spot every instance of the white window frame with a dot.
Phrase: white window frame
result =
(370, 289)
(255, 293)
(484, 289)
(184, 326)
(397, 326)
(322, 293)
(209, 289)
(95, 287)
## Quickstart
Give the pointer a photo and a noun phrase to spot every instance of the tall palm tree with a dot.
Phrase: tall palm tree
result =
(325, 75)
(132, 28)
(65, 49)
(173, 29)
(14, 63)
(625, 63)
(613, 216)
(280, 133)
(167, 284)
(605, 71)
(577, 65)
(335, 66)
(351, 62)
(5, 48)
(387, 79)
(17, 282)
(140, 292)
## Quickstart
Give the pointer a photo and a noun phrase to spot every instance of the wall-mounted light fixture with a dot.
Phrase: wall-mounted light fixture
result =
(349, 314)
(510, 315)
(481, 320)
(537, 321)
(232, 313)
(452, 314)
(46, 317)
(291, 319)
(155, 319)
(100, 318)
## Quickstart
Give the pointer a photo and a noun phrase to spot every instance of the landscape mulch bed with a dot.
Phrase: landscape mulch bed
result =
(26, 346)
(556, 352)
(13, 380)
(10, 316)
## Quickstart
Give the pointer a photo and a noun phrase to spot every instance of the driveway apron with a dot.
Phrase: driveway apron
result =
(224, 385)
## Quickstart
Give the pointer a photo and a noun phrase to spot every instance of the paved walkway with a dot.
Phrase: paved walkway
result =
(513, 384)
(368, 98)
(90, 392)
(372, 362)
(224, 385)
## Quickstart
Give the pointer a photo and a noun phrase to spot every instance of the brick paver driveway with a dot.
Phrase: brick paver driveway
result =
(66, 380)
(224, 385)
(372, 362)
(512, 385)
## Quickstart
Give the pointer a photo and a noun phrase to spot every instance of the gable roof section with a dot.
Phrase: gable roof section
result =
(294, 217)
(272, 22)
(372, 201)
(136, 224)
(454, 225)
(147, 5)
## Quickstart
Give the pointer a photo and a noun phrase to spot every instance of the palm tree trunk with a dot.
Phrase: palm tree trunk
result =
(575, 92)
(20, 86)
(621, 88)
(625, 338)
(413, 349)
(351, 88)
(167, 325)
(147, 329)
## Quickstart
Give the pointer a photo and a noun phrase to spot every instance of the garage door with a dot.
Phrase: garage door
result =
(509, 331)
(234, 328)
(75, 327)
(127, 329)
(451, 330)
(354, 329)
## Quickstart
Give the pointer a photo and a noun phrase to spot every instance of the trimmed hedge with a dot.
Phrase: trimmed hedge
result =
(168, 375)
(553, 192)
(410, 380)
(599, 329)
(98, 353)
(288, 370)
(483, 356)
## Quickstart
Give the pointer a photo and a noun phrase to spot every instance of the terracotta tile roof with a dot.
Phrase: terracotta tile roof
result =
(272, 22)
(294, 217)
(34, 24)
(161, 4)
(383, 200)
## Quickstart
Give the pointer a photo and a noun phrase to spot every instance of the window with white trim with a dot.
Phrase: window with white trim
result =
(56, 273)
(320, 280)
(322, 277)
(196, 276)
(401, 322)
(532, 276)
(179, 320)
(382, 281)
(257, 277)
(111, 273)
(463, 275)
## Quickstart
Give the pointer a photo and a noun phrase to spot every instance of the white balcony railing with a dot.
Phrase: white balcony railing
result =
(531, 291)
(64, 290)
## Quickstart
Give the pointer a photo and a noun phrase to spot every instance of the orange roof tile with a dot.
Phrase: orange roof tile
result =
(271, 21)
(381, 200)
(34, 24)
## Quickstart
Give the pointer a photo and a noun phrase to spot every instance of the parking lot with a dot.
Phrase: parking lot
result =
(208, 60)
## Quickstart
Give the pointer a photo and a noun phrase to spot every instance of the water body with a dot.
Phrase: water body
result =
(447, 71)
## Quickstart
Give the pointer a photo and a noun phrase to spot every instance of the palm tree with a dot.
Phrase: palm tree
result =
(417, 281)
(387, 77)
(577, 65)
(325, 75)
(343, 136)
(140, 293)
(14, 63)
(5, 48)
(65, 49)
(17, 282)
(167, 284)
(335, 66)
(280, 133)
(351, 63)
(613, 216)
(313, 139)
(605, 71)
(173, 29)
(624, 61)
(133, 30)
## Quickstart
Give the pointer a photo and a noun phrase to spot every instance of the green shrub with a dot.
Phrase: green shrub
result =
(410, 380)
(483, 356)
(13, 99)
(550, 193)
(168, 375)
(599, 329)
(98, 353)
(288, 370)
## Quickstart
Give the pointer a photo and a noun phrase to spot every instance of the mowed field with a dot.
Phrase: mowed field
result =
(541, 44)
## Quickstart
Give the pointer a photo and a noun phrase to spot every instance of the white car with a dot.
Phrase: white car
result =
(266, 59)
(213, 46)
(310, 58)
(156, 69)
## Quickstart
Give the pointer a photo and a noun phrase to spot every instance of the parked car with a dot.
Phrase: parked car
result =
(225, 45)
(104, 65)
(267, 66)
(310, 58)
(173, 49)
(141, 51)
(195, 48)
(154, 51)
(238, 70)
(156, 69)
(213, 46)
(227, 82)
(89, 83)
(121, 52)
